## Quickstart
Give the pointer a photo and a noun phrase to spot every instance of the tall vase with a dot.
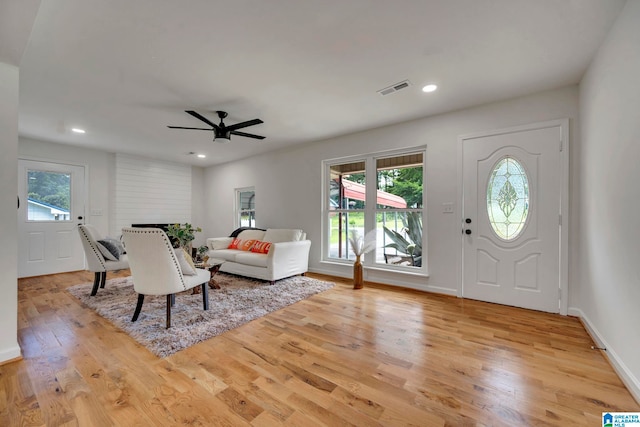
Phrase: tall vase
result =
(357, 274)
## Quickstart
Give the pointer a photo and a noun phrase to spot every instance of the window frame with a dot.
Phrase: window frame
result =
(238, 210)
(371, 209)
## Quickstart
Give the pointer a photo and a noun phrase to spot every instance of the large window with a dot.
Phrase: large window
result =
(396, 215)
(245, 207)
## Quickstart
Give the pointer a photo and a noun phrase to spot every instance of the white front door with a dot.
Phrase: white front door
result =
(512, 185)
(51, 205)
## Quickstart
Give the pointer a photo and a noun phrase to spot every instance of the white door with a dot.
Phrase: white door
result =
(512, 185)
(51, 197)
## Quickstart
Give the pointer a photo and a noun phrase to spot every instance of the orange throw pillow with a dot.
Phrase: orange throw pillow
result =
(261, 247)
(241, 245)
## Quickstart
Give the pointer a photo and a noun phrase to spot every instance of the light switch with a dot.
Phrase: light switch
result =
(447, 207)
(96, 212)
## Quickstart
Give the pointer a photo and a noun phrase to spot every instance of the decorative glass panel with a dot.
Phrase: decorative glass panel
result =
(508, 198)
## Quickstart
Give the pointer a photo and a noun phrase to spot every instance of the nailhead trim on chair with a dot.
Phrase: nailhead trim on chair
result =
(93, 247)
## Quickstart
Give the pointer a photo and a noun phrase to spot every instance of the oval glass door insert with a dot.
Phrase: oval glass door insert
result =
(508, 198)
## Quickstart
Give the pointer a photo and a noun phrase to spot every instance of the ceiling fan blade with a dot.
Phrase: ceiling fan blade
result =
(244, 124)
(180, 127)
(248, 135)
(201, 117)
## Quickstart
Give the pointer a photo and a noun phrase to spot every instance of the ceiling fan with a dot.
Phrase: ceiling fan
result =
(221, 132)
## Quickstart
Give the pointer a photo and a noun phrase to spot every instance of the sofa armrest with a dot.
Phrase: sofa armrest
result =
(289, 256)
(219, 242)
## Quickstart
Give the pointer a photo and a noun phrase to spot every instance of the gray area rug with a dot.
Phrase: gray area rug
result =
(239, 301)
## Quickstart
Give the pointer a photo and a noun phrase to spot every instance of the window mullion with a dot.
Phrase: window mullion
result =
(370, 205)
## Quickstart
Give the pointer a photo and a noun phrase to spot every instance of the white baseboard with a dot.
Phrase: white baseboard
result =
(10, 353)
(630, 381)
(396, 282)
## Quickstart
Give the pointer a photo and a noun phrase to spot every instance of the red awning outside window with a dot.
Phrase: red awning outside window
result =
(355, 191)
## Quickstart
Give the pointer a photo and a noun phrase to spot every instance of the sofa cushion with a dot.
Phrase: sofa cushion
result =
(250, 258)
(225, 254)
(277, 235)
(251, 235)
(219, 242)
(261, 247)
(241, 244)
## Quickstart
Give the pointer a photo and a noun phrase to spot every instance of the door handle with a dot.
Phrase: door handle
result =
(467, 231)
(80, 218)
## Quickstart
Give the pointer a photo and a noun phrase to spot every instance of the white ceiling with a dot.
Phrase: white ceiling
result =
(124, 70)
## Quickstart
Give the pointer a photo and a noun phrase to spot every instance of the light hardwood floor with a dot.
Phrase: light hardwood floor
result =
(376, 356)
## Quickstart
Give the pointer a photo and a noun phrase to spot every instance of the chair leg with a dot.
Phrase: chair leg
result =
(138, 307)
(205, 296)
(103, 279)
(96, 283)
(169, 310)
(173, 300)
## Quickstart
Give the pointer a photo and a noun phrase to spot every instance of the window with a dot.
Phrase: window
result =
(399, 209)
(245, 207)
(347, 194)
(397, 214)
(48, 196)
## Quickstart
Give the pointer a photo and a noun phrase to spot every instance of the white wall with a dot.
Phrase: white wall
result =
(288, 183)
(150, 191)
(9, 83)
(101, 178)
(609, 236)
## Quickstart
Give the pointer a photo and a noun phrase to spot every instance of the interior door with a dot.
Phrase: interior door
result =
(511, 218)
(51, 205)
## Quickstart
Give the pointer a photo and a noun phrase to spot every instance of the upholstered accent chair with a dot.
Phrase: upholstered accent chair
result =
(96, 261)
(156, 269)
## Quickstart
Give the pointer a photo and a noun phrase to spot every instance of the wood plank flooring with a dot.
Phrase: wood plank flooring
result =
(379, 356)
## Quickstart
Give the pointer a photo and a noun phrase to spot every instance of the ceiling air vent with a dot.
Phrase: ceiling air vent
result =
(394, 88)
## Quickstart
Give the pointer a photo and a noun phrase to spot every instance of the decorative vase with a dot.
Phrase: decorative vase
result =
(357, 274)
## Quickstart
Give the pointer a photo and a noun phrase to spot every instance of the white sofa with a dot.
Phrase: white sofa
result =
(288, 253)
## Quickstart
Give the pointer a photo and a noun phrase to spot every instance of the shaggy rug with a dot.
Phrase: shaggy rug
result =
(239, 301)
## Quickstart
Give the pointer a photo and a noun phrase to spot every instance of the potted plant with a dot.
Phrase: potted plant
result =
(412, 244)
(202, 253)
(182, 235)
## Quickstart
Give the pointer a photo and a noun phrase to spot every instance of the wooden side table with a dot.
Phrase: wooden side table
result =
(213, 265)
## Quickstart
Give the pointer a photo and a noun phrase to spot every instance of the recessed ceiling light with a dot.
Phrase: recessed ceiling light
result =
(77, 130)
(202, 156)
(429, 88)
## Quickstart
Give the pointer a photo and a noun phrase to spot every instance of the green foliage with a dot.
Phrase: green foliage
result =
(412, 244)
(182, 233)
(404, 182)
(52, 188)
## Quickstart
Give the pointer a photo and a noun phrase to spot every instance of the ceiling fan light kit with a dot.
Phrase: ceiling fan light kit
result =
(221, 132)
